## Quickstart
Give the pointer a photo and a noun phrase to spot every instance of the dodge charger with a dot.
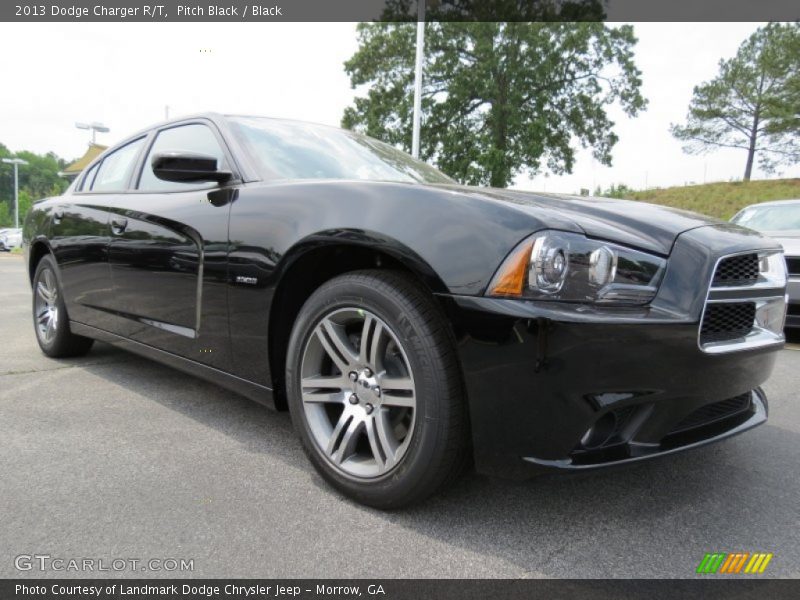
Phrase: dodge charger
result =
(410, 325)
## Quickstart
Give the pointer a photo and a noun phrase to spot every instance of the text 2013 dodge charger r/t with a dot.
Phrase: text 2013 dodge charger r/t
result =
(409, 324)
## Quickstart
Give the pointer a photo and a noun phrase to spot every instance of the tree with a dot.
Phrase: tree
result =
(6, 217)
(38, 179)
(619, 190)
(498, 98)
(753, 103)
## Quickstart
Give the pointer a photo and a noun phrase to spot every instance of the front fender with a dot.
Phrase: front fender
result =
(365, 240)
(456, 239)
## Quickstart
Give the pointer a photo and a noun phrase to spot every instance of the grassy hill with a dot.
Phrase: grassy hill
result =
(720, 200)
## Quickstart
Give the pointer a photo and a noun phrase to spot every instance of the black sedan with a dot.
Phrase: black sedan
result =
(410, 325)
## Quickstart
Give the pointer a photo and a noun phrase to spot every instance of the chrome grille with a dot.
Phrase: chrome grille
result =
(727, 321)
(745, 304)
(741, 269)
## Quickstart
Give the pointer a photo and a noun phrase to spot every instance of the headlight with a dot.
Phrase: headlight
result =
(556, 265)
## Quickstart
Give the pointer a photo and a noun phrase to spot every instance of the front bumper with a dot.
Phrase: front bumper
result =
(571, 387)
(748, 414)
(540, 391)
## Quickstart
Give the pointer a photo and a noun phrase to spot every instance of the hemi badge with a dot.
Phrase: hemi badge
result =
(248, 280)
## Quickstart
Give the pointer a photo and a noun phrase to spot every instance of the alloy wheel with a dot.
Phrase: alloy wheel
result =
(358, 392)
(46, 306)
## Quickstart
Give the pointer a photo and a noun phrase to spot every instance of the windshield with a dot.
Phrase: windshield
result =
(297, 150)
(777, 217)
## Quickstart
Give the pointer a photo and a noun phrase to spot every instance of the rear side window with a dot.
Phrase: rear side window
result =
(116, 168)
(86, 184)
(196, 138)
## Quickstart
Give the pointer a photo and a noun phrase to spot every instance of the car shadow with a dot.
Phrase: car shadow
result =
(705, 500)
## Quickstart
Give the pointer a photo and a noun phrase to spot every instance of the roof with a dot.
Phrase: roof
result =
(79, 165)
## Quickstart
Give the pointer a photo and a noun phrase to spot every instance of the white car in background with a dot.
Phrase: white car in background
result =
(780, 220)
(10, 238)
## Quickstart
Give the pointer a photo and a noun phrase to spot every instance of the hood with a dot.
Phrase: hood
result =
(638, 224)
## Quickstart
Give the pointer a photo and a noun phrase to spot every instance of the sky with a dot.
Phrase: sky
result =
(125, 75)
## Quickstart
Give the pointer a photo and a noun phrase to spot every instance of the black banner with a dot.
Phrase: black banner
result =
(395, 589)
(398, 10)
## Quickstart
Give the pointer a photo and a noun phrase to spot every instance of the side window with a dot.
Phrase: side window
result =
(116, 168)
(195, 138)
(86, 184)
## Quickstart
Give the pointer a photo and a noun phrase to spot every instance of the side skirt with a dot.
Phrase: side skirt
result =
(259, 393)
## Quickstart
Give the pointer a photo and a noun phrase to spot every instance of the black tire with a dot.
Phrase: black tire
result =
(438, 448)
(59, 342)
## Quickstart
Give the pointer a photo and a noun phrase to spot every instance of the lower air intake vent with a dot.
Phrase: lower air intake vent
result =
(727, 321)
(711, 413)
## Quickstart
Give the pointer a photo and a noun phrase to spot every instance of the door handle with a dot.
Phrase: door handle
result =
(118, 225)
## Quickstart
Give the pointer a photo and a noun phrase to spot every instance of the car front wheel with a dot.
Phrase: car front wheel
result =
(375, 390)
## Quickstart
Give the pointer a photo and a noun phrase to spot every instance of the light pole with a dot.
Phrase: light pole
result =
(16, 162)
(95, 127)
(418, 78)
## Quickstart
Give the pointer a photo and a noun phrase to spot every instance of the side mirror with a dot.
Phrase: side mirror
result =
(187, 167)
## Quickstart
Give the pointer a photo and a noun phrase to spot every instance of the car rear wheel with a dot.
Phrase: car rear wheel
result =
(50, 315)
(375, 390)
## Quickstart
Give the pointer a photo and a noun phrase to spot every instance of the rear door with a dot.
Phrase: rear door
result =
(168, 252)
(80, 236)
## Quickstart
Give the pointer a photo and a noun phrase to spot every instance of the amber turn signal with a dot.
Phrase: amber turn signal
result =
(510, 278)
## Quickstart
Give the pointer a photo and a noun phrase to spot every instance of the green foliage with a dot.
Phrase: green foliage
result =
(38, 179)
(498, 98)
(497, 10)
(722, 199)
(753, 103)
(25, 202)
(619, 190)
(6, 215)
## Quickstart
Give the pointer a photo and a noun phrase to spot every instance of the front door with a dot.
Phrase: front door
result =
(168, 255)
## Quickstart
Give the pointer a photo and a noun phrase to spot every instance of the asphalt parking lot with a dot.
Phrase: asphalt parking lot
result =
(114, 456)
